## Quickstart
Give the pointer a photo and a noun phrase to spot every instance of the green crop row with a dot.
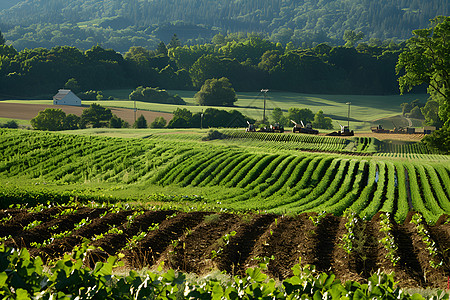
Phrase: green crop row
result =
(239, 178)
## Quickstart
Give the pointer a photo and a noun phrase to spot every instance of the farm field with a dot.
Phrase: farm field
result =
(24, 112)
(370, 110)
(277, 173)
(344, 204)
(200, 242)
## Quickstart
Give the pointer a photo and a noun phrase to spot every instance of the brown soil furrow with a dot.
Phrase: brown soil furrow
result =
(349, 265)
(432, 277)
(23, 218)
(402, 273)
(369, 256)
(155, 243)
(325, 242)
(9, 213)
(441, 234)
(409, 261)
(112, 243)
(195, 256)
(237, 252)
(43, 232)
(185, 241)
(289, 240)
(98, 226)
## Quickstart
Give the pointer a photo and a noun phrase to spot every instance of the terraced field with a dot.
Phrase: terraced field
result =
(199, 242)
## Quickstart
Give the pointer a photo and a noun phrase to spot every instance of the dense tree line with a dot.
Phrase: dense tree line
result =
(249, 63)
(305, 23)
(96, 116)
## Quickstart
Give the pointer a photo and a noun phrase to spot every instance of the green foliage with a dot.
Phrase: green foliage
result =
(350, 37)
(426, 62)
(216, 92)
(278, 117)
(51, 119)
(10, 124)
(72, 84)
(388, 241)
(431, 113)
(416, 113)
(314, 23)
(439, 139)
(159, 122)
(22, 277)
(243, 171)
(322, 122)
(96, 115)
(155, 95)
(141, 122)
(91, 95)
(116, 122)
(300, 114)
(214, 135)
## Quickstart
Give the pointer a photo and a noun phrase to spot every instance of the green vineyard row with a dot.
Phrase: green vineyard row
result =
(329, 143)
(234, 177)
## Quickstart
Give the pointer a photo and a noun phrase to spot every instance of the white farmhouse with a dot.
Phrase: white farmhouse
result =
(66, 97)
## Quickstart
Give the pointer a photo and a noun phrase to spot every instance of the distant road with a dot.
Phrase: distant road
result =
(29, 111)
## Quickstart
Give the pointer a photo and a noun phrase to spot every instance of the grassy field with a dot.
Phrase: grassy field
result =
(24, 123)
(365, 111)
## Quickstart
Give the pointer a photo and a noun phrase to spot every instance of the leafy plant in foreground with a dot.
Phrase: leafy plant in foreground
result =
(23, 277)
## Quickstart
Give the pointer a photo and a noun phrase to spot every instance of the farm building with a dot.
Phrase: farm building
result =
(66, 97)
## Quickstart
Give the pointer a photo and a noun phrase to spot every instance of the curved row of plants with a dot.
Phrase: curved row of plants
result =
(329, 143)
(233, 177)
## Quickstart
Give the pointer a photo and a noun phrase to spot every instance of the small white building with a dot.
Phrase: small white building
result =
(66, 97)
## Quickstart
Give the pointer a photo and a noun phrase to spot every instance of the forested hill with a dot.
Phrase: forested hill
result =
(298, 21)
(5, 4)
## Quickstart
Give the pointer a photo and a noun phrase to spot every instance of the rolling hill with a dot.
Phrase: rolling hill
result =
(284, 21)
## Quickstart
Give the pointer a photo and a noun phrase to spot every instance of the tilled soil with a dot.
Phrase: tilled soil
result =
(200, 242)
(26, 111)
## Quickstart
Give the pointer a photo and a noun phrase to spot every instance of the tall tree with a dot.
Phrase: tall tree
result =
(2, 39)
(73, 85)
(162, 49)
(141, 122)
(427, 61)
(174, 42)
(96, 115)
(216, 92)
(351, 37)
(49, 119)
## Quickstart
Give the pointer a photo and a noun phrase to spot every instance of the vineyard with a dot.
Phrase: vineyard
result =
(236, 173)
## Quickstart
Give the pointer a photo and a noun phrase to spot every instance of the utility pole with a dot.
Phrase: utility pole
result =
(201, 120)
(135, 110)
(264, 112)
(348, 114)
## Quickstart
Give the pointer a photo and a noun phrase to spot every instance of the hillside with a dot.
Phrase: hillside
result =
(5, 4)
(282, 20)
